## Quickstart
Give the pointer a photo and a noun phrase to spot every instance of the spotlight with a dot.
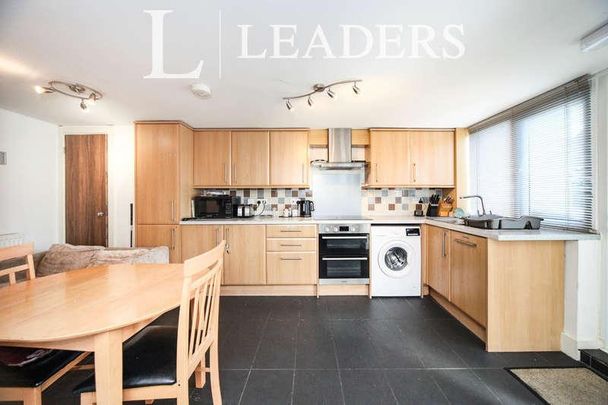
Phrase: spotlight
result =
(309, 101)
(91, 100)
(84, 106)
(42, 90)
(331, 93)
(356, 89)
(288, 104)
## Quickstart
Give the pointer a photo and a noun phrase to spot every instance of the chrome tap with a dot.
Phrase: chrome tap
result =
(483, 208)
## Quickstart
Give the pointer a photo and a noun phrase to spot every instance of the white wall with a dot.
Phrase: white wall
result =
(28, 183)
(121, 183)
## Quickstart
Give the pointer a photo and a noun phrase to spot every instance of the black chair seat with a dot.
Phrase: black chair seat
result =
(34, 374)
(148, 359)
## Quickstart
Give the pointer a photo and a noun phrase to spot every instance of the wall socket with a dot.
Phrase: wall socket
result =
(2, 158)
(261, 201)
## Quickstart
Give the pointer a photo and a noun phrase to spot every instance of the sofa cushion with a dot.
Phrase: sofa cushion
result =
(65, 257)
(157, 255)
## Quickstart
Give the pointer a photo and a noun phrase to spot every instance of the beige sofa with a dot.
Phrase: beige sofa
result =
(64, 257)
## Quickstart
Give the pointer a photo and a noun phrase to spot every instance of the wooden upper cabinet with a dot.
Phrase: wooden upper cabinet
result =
(389, 157)
(469, 275)
(438, 259)
(432, 158)
(289, 158)
(250, 158)
(163, 173)
(245, 258)
(211, 158)
(411, 158)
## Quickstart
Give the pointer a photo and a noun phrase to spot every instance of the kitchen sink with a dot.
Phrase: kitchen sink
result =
(491, 221)
(450, 220)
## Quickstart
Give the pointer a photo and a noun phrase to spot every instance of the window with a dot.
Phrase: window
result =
(536, 159)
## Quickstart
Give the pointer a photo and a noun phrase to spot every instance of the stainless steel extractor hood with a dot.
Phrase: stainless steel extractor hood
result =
(339, 151)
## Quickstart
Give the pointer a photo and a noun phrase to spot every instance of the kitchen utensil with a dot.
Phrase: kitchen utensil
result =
(306, 207)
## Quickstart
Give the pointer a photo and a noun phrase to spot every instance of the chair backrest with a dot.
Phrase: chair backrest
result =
(13, 253)
(199, 309)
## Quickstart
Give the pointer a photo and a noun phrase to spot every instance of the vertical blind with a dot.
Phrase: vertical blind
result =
(537, 158)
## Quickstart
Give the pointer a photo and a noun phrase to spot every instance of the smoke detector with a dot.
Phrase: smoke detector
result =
(201, 90)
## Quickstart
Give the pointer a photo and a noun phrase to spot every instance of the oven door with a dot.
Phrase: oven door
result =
(351, 270)
(355, 244)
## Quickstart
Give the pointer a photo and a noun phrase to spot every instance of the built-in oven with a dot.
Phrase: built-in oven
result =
(344, 253)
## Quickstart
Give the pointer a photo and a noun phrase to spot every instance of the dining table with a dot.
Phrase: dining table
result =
(92, 310)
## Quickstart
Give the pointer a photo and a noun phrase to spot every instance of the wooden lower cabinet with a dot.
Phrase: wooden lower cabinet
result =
(198, 239)
(245, 259)
(438, 259)
(160, 235)
(291, 267)
(469, 275)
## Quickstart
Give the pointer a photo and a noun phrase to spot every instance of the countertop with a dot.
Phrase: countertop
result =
(500, 235)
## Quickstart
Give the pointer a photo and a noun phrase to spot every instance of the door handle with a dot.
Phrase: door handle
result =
(172, 211)
(376, 171)
(339, 259)
(303, 170)
(288, 245)
(172, 238)
(443, 252)
(225, 173)
(344, 237)
(291, 230)
(466, 243)
(291, 258)
(100, 214)
(217, 236)
(227, 240)
(234, 180)
(414, 171)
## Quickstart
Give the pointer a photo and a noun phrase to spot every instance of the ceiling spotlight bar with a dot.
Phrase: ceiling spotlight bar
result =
(320, 88)
(88, 96)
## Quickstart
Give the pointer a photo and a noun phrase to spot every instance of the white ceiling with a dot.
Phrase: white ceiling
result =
(514, 50)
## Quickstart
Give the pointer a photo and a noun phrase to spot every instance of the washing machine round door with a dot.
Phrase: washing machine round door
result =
(394, 258)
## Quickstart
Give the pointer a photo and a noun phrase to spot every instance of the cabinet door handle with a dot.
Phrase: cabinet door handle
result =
(172, 211)
(228, 240)
(291, 230)
(234, 180)
(172, 238)
(466, 243)
(376, 171)
(443, 253)
(217, 236)
(225, 173)
(291, 258)
(414, 171)
(303, 170)
(290, 245)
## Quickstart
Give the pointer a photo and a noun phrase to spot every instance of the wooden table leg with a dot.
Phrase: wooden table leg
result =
(108, 368)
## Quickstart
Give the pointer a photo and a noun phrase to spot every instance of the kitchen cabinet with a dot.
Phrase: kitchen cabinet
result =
(161, 235)
(163, 173)
(469, 275)
(438, 259)
(432, 158)
(250, 156)
(198, 239)
(291, 267)
(289, 158)
(389, 156)
(411, 158)
(212, 158)
(245, 259)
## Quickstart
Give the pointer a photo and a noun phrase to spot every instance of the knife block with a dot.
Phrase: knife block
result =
(445, 209)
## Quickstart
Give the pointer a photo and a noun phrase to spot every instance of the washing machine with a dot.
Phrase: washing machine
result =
(396, 255)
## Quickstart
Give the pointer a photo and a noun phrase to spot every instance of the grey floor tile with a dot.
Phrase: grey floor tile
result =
(268, 387)
(317, 387)
(239, 344)
(315, 347)
(506, 387)
(232, 383)
(398, 308)
(415, 387)
(366, 387)
(278, 345)
(391, 347)
(523, 359)
(463, 387)
(559, 359)
(355, 308)
(427, 308)
(353, 345)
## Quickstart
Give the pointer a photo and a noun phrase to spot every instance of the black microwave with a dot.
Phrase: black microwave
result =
(214, 206)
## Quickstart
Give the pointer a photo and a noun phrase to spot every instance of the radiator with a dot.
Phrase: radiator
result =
(10, 239)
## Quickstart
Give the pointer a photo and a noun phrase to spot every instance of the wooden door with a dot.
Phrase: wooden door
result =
(212, 158)
(389, 156)
(250, 158)
(161, 235)
(157, 174)
(86, 190)
(289, 158)
(469, 276)
(198, 239)
(438, 259)
(245, 255)
(431, 158)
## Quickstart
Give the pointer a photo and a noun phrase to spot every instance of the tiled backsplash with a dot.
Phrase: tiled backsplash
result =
(384, 201)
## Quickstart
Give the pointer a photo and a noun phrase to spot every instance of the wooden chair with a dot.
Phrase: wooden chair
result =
(27, 382)
(159, 360)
